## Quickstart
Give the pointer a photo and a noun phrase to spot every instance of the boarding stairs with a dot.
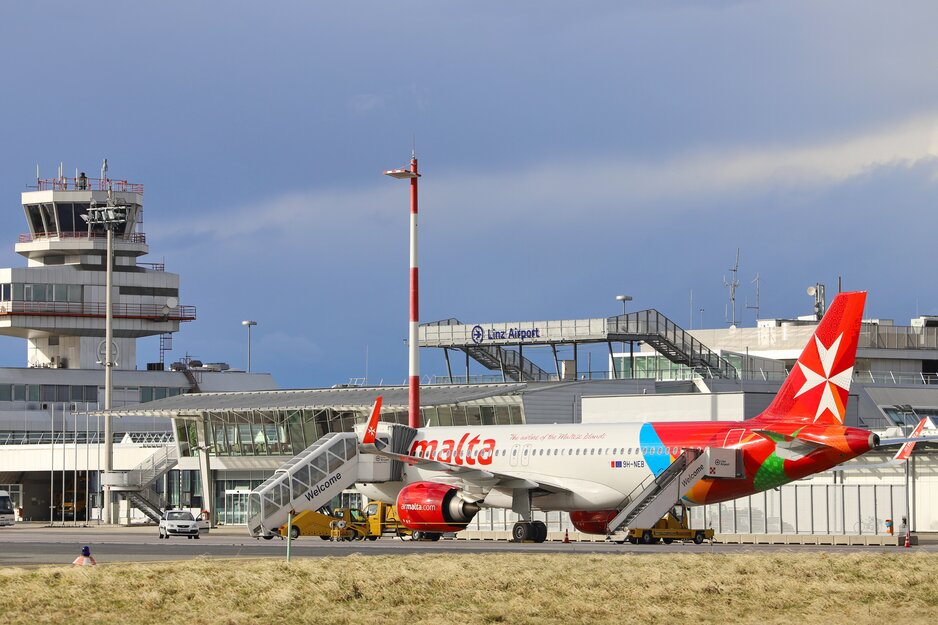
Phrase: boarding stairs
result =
(134, 485)
(669, 340)
(308, 481)
(657, 494)
(511, 363)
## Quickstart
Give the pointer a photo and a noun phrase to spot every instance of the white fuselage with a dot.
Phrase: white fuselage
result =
(593, 467)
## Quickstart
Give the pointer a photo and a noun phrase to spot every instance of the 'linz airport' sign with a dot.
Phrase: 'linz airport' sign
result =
(480, 334)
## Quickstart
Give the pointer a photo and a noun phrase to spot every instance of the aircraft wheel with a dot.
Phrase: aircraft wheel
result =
(520, 532)
(647, 538)
(294, 532)
(539, 531)
(698, 538)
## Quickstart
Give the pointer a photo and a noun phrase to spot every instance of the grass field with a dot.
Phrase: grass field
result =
(776, 587)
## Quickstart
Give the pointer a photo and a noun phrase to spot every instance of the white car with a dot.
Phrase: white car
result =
(178, 523)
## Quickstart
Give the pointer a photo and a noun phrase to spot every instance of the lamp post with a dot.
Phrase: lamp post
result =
(413, 410)
(907, 409)
(625, 299)
(110, 216)
(249, 323)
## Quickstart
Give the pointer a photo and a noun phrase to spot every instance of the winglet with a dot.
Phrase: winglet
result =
(371, 430)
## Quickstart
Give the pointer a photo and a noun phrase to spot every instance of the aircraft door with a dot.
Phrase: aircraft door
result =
(734, 437)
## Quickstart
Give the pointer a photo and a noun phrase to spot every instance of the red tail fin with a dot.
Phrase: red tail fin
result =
(817, 388)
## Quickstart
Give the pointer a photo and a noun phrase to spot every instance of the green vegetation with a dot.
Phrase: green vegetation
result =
(786, 587)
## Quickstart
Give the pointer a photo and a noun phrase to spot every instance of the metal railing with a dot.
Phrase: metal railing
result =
(86, 184)
(133, 237)
(82, 438)
(153, 312)
(144, 473)
(875, 336)
(670, 340)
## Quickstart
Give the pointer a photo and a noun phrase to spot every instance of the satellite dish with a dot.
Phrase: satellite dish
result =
(172, 302)
(812, 291)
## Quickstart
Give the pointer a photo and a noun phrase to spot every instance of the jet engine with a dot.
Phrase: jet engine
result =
(432, 507)
(592, 522)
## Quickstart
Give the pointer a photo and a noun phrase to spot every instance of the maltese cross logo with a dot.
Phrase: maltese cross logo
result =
(820, 372)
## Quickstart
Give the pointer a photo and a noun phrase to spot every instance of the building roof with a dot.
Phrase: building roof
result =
(354, 398)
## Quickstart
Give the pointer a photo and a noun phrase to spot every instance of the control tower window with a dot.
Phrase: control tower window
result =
(66, 213)
(35, 219)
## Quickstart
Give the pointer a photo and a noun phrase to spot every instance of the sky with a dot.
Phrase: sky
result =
(570, 152)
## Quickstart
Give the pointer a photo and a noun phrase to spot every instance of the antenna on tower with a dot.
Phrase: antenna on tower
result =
(731, 285)
(756, 307)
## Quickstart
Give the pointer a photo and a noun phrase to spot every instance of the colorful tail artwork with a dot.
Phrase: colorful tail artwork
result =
(817, 388)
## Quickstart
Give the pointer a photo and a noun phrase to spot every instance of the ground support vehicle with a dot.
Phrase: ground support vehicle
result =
(7, 514)
(377, 520)
(342, 524)
(382, 521)
(667, 530)
(178, 523)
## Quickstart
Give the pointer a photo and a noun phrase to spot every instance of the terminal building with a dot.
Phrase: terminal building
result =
(204, 436)
(50, 447)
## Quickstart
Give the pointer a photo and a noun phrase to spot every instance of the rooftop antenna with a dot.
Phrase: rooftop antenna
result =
(731, 285)
(104, 170)
(756, 307)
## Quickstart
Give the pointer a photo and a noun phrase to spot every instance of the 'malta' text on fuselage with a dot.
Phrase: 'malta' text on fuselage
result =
(467, 450)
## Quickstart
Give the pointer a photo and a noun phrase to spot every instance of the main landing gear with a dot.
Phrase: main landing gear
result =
(533, 531)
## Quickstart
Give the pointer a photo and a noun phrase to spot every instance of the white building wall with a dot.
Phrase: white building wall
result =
(678, 407)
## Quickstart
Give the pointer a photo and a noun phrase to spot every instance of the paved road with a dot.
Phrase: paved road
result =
(31, 545)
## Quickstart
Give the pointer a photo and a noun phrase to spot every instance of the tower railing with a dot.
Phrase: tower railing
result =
(153, 312)
(133, 237)
(86, 184)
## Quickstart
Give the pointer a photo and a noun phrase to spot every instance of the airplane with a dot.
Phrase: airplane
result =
(594, 471)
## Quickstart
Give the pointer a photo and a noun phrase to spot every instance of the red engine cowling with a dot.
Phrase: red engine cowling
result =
(592, 522)
(431, 507)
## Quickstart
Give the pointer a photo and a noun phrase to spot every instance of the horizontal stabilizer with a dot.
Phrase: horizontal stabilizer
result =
(788, 447)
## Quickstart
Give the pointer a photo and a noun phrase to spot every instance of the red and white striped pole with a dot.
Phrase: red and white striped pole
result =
(413, 370)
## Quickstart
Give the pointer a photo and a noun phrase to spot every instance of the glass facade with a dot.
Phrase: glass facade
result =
(35, 292)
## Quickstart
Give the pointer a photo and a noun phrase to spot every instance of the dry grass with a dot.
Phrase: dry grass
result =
(789, 588)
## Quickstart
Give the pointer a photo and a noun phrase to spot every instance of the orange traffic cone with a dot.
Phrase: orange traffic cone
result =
(566, 536)
(85, 558)
(907, 543)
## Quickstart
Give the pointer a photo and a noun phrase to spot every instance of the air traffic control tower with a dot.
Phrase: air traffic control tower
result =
(57, 302)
